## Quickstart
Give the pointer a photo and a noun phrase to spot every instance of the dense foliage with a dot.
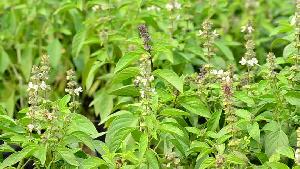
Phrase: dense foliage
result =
(150, 84)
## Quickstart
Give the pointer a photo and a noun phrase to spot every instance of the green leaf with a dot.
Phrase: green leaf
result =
(103, 103)
(194, 105)
(83, 124)
(286, 151)
(119, 130)
(78, 42)
(254, 131)
(4, 60)
(207, 163)
(65, 7)
(91, 74)
(289, 50)
(64, 101)
(26, 61)
(244, 97)
(54, 50)
(129, 90)
(6, 148)
(116, 114)
(126, 60)
(84, 138)
(245, 114)
(41, 153)
(213, 122)
(278, 43)
(171, 128)
(143, 145)
(277, 165)
(171, 77)
(91, 163)
(225, 50)
(293, 97)
(275, 140)
(6, 120)
(67, 155)
(233, 159)
(17, 156)
(152, 160)
(125, 74)
(173, 112)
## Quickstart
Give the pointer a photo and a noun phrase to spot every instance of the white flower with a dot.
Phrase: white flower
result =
(153, 91)
(226, 79)
(243, 61)
(49, 116)
(215, 33)
(177, 5)
(169, 7)
(243, 28)
(67, 90)
(144, 81)
(235, 77)
(153, 8)
(150, 8)
(247, 28)
(43, 85)
(95, 8)
(151, 78)
(219, 73)
(142, 93)
(32, 86)
(297, 156)
(215, 72)
(30, 127)
(250, 29)
(78, 90)
(200, 33)
(293, 20)
(252, 62)
(255, 61)
(177, 17)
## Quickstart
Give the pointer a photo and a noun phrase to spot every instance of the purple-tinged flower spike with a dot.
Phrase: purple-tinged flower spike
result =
(144, 34)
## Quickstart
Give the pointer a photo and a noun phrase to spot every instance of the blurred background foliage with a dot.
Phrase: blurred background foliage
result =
(92, 35)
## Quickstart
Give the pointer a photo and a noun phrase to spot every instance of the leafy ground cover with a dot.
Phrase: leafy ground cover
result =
(150, 84)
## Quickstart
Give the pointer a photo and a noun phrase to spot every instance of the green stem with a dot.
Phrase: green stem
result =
(20, 164)
(25, 163)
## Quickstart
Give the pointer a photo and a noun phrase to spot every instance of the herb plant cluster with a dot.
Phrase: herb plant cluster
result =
(150, 84)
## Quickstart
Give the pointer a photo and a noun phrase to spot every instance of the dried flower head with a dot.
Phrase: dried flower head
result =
(174, 5)
(144, 34)
(220, 160)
